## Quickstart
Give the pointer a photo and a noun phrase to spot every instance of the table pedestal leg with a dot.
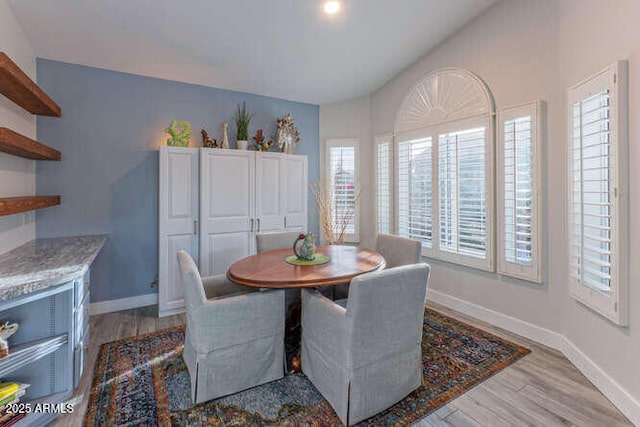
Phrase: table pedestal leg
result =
(293, 334)
(293, 329)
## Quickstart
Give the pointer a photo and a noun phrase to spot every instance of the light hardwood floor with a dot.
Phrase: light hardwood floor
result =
(542, 389)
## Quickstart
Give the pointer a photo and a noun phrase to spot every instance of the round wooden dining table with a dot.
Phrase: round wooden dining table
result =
(271, 270)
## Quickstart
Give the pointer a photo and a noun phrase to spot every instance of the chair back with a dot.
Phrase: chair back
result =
(385, 311)
(273, 241)
(397, 250)
(194, 295)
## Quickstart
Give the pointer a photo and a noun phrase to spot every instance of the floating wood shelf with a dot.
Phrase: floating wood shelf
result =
(19, 145)
(18, 87)
(14, 205)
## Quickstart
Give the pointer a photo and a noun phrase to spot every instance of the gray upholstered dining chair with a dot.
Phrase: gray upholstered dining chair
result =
(235, 335)
(396, 251)
(364, 354)
(273, 241)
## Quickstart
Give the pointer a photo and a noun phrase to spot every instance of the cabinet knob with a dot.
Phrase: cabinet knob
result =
(86, 286)
(86, 311)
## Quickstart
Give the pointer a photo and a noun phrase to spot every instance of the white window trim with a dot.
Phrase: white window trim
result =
(345, 142)
(386, 138)
(532, 273)
(614, 306)
(486, 121)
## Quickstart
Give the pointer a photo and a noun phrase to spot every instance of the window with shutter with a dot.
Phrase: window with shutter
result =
(462, 198)
(342, 182)
(414, 190)
(384, 154)
(597, 190)
(444, 168)
(518, 205)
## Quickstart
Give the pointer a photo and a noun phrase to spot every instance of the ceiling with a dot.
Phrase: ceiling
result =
(283, 48)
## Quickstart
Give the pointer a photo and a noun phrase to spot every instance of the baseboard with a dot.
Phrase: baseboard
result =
(511, 324)
(170, 311)
(622, 399)
(626, 403)
(110, 306)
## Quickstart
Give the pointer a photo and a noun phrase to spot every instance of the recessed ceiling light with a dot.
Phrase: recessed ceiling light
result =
(332, 7)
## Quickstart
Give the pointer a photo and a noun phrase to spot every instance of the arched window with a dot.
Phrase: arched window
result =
(444, 168)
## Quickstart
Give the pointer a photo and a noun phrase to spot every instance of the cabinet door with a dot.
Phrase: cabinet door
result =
(227, 192)
(296, 189)
(270, 192)
(178, 213)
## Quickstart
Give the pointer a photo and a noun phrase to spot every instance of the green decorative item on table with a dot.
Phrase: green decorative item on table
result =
(180, 132)
(305, 252)
(318, 259)
(307, 249)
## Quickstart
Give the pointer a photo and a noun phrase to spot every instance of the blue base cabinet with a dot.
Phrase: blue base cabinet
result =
(49, 349)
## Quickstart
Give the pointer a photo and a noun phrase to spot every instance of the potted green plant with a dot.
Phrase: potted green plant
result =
(242, 119)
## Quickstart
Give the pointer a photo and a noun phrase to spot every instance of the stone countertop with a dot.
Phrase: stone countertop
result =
(43, 263)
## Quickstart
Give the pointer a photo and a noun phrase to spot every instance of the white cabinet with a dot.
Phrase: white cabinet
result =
(178, 216)
(270, 192)
(295, 190)
(212, 204)
(227, 208)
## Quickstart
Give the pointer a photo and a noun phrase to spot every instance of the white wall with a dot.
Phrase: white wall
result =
(528, 50)
(352, 119)
(582, 52)
(17, 175)
(512, 48)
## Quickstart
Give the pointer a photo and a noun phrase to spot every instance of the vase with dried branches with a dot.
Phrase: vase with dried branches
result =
(334, 226)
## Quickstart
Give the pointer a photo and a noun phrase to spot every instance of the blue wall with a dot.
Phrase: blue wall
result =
(109, 133)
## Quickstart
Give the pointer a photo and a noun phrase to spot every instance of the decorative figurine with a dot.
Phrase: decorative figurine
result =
(180, 133)
(225, 136)
(307, 250)
(260, 144)
(6, 330)
(207, 141)
(288, 135)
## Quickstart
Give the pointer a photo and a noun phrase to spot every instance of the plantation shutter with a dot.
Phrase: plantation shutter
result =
(598, 227)
(342, 182)
(415, 219)
(518, 162)
(462, 197)
(383, 184)
(592, 161)
(517, 191)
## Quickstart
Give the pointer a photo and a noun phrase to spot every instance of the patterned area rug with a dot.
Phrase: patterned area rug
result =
(143, 381)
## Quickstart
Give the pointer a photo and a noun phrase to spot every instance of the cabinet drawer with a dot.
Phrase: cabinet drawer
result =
(81, 287)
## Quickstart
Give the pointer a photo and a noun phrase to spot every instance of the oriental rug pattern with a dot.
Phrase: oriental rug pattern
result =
(143, 381)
